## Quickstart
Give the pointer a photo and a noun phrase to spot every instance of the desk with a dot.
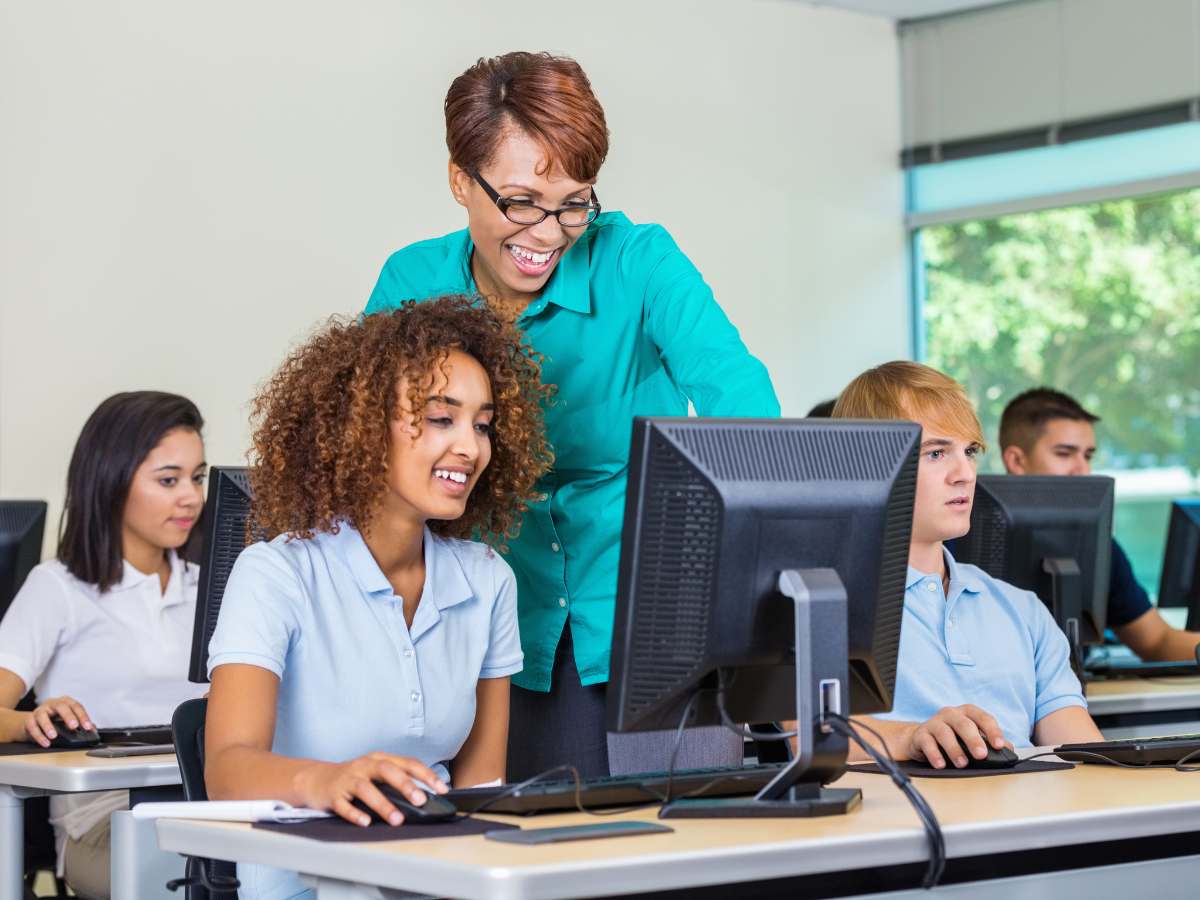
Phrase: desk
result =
(983, 816)
(64, 773)
(1130, 707)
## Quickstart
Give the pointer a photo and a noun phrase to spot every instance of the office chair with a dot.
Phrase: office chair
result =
(205, 879)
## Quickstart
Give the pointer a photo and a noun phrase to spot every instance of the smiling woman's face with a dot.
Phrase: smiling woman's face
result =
(514, 261)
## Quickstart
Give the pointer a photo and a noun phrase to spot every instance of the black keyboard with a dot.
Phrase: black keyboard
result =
(617, 790)
(137, 734)
(1136, 668)
(1151, 751)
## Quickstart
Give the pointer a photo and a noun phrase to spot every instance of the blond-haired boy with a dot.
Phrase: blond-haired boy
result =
(979, 659)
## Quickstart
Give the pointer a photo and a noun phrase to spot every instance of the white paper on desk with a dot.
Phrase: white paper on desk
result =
(229, 811)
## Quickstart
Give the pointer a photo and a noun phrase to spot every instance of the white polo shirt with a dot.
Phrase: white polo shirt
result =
(122, 654)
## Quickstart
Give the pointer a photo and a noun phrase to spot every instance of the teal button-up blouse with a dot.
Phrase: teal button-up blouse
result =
(627, 327)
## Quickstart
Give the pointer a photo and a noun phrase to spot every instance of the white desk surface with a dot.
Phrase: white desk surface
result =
(978, 815)
(1134, 695)
(74, 771)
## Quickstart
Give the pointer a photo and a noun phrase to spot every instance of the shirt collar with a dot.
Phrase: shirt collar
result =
(568, 287)
(446, 583)
(182, 576)
(959, 578)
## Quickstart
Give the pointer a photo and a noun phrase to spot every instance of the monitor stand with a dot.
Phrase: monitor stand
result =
(821, 634)
(1066, 605)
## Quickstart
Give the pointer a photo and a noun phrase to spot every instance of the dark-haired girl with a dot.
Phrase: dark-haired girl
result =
(102, 632)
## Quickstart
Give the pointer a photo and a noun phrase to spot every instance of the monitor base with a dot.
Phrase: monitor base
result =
(824, 802)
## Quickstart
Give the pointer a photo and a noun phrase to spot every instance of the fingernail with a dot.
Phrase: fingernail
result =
(442, 788)
(364, 820)
(960, 761)
(418, 797)
(73, 724)
(52, 734)
(395, 819)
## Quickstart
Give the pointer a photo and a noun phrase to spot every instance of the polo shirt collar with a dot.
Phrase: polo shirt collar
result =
(568, 286)
(182, 575)
(959, 578)
(442, 569)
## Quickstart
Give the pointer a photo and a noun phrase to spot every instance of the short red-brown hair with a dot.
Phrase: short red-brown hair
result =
(547, 97)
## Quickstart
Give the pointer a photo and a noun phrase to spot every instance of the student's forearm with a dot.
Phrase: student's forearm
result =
(12, 726)
(248, 773)
(898, 736)
(1176, 645)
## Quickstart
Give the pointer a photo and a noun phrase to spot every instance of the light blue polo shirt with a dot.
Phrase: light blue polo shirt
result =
(987, 643)
(354, 678)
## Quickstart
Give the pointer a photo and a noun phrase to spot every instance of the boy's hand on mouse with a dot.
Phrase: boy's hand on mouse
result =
(936, 740)
(334, 786)
(68, 710)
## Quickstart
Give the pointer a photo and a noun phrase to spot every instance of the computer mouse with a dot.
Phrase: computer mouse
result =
(1004, 758)
(436, 810)
(73, 737)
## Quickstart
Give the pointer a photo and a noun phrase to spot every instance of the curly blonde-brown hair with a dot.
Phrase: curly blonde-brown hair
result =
(321, 423)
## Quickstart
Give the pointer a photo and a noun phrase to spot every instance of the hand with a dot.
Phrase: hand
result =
(333, 786)
(936, 740)
(41, 730)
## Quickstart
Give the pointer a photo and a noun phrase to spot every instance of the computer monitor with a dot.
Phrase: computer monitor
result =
(226, 534)
(22, 525)
(1050, 534)
(762, 570)
(1179, 584)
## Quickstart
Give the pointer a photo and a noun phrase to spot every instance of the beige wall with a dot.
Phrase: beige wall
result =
(186, 189)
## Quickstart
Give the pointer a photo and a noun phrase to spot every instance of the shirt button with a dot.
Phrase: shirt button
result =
(562, 601)
(415, 696)
(554, 547)
(931, 586)
(408, 653)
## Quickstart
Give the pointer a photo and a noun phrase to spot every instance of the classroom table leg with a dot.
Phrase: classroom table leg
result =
(12, 844)
(140, 871)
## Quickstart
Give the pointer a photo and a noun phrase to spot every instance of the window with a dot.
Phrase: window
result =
(1100, 300)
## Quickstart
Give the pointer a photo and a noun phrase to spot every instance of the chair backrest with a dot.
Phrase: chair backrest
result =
(187, 727)
(205, 877)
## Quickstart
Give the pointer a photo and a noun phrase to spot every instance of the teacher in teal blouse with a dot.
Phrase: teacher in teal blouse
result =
(627, 327)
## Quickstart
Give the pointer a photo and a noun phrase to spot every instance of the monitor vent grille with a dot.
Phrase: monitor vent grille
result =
(678, 566)
(769, 453)
(987, 541)
(893, 571)
(17, 516)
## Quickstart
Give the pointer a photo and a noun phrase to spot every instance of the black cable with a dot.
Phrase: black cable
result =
(744, 730)
(885, 761)
(1178, 765)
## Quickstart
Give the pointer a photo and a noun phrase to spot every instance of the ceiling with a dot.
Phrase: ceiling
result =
(907, 9)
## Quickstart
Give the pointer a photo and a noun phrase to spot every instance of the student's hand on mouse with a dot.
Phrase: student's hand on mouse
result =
(42, 730)
(936, 740)
(333, 786)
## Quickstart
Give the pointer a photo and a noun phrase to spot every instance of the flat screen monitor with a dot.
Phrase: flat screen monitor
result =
(762, 577)
(22, 526)
(1050, 534)
(226, 524)
(1179, 584)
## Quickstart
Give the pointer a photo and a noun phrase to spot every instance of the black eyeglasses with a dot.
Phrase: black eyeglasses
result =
(573, 215)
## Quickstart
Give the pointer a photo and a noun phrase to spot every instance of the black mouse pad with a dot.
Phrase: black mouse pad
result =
(20, 748)
(339, 830)
(924, 770)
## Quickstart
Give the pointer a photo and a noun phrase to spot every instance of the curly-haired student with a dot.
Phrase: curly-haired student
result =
(370, 640)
